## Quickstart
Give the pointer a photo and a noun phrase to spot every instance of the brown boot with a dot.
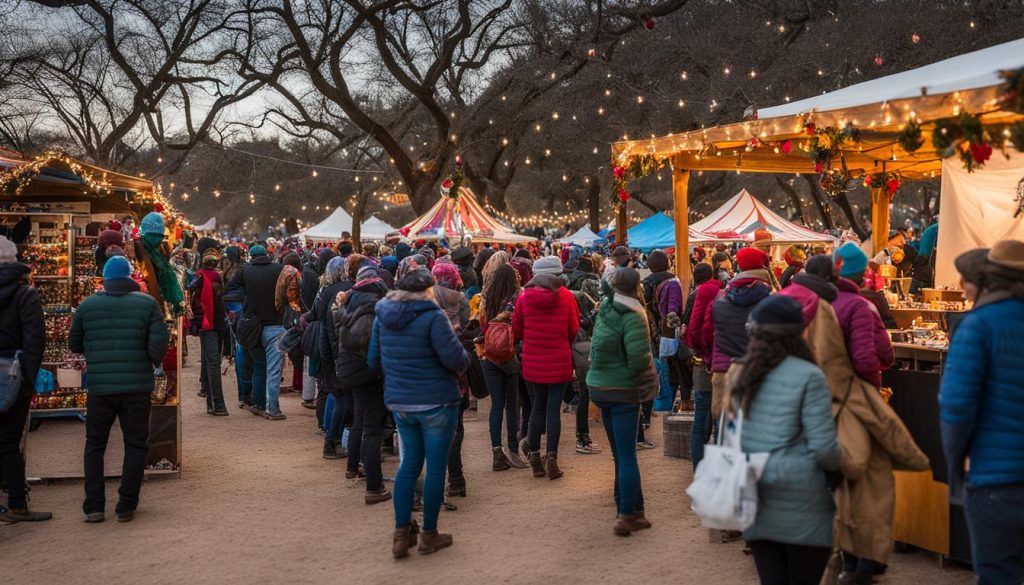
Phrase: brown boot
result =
(551, 462)
(626, 524)
(501, 462)
(641, 521)
(432, 541)
(405, 538)
(537, 465)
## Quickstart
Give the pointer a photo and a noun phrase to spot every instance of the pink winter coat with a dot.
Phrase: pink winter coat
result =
(866, 339)
(700, 333)
(547, 320)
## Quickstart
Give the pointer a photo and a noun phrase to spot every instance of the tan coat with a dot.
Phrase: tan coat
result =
(874, 441)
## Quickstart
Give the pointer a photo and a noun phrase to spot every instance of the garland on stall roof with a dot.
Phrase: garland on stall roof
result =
(635, 168)
(891, 180)
(827, 143)
(453, 182)
(23, 175)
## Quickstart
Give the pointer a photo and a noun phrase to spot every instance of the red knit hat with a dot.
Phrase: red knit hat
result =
(751, 259)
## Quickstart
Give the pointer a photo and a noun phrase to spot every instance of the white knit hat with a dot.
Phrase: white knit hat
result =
(8, 251)
(547, 265)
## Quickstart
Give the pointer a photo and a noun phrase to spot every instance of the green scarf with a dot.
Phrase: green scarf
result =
(166, 277)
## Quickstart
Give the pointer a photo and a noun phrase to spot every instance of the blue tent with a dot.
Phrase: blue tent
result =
(657, 231)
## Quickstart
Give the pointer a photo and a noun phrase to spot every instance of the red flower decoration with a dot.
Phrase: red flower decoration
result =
(619, 172)
(753, 142)
(159, 208)
(786, 147)
(447, 184)
(810, 128)
(817, 167)
(981, 152)
(623, 195)
(892, 185)
(649, 23)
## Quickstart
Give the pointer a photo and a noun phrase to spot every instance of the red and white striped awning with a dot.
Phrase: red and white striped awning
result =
(742, 215)
(455, 218)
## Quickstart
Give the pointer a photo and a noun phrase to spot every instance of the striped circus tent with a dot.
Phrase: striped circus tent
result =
(739, 217)
(451, 218)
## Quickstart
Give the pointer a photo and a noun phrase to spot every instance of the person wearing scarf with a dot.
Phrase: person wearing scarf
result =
(208, 309)
(408, 264)
(161, 278)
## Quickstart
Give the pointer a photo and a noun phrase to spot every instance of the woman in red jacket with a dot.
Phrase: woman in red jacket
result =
(547, 320)
(707, 291)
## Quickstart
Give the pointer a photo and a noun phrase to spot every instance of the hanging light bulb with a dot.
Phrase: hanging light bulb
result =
(315, 173)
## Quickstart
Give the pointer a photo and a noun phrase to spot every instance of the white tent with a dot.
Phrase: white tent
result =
(977, 210)
(374, 229)
(583, 237)
(209, 226)
(739, 217)
(340, 221)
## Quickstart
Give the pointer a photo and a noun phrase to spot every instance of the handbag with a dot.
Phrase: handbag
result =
(724, 489)
(10, 381)
(249, 330)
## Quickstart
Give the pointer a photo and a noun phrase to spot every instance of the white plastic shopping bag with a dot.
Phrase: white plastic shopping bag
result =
(724, 488)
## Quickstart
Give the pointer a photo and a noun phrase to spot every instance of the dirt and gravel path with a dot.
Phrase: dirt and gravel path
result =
(257, 504)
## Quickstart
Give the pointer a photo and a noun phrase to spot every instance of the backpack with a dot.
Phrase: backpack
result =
(356, 328)
(499, 340)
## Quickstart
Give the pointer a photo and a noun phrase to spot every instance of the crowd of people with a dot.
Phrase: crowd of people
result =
(406, 336)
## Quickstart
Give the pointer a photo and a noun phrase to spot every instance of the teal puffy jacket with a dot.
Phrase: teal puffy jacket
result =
(123, 336)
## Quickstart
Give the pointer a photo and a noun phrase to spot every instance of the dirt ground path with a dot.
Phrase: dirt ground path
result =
(257, 504)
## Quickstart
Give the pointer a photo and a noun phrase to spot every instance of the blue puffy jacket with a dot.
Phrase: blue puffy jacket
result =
(415, 347)
(982, 396)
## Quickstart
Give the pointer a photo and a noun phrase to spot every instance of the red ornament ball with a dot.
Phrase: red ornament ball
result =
(619, 172)
(786, 147)
(158, 207)
(878, 60)
(892, 185)
(447, 183)
(623, 195)
(810, 128)
(981, 152)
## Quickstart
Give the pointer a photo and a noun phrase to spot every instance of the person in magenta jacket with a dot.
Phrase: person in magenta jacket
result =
(546, 319)
(700, 334)
(866, 339)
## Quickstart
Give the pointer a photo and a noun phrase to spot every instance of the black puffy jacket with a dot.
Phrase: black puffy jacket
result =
(22, 327)
(259, 280)
(322, 312)
(351, 368)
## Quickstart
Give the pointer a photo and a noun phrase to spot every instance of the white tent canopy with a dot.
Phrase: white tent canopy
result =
(739, 217)
(583, 237)
(340, 221)
(209, 226)
(963, 72)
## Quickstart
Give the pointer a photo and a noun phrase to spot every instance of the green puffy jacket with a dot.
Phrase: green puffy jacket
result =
(123, 336)
(621, 365)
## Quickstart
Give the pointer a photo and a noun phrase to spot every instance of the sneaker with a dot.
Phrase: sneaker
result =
(355, 474)
(381, 495)
(310, 404)
(12, 515)
(126, 516)
(274, 415)
(586, 448)
(256, 410)
(95, 517)
(448, 506)
(648, 444)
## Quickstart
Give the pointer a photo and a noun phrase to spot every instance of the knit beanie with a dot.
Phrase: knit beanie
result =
(152, 224)
(625, 281)
(621, 255)
(762, 239)
(205, 244)
(8, 251)
(795, 256)
(257, 250)
(416, 281)
(402, 251)
(462, 255)
(447, 275)
(110, 238)
(211, 255)
(850, 260)
(821, 266)
(657, 261)
(778, 314)
(971, 265)
(1008, 254)
(117, 267)
(751, 259)
(547, 265)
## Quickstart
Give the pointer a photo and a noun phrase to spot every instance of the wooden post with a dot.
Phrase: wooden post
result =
(621, 225)
(879, 218)
(681, 207)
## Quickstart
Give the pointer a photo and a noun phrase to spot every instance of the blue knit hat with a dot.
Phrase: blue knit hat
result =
(850, 259)
(257, 250)
(117, 267)
(153, 223)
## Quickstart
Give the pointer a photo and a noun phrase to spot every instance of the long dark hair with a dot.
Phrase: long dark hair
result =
(499, 289)
(716, 263)
(764, 353)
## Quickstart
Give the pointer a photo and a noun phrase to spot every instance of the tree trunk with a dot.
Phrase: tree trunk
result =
(818, 197)
(794, 197)
(844, 204)
(594, 203)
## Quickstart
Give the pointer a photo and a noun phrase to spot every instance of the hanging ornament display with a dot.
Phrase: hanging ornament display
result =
(451, 184)
(910, 139)
(879, 61)
(635, 167)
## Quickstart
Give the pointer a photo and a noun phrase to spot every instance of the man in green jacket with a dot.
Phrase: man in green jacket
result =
(122, 333)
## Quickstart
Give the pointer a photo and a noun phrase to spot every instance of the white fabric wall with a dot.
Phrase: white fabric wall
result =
(976, 210)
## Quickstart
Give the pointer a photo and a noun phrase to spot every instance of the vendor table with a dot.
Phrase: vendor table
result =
(924, 515)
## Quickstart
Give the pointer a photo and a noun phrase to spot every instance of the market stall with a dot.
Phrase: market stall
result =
(582, 237)
(955, 114)
(339, 221)
(53, 207)
(737, 219)
(457, 214)
(659, 232)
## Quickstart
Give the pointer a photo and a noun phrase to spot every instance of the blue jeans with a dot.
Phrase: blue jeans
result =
(995, 518)
(546, 415)
(425, 435)
(243, 373)
(504, 391)
(701, 414)
(336, 419)
(620, 423)
(275, 360)
(258, 357)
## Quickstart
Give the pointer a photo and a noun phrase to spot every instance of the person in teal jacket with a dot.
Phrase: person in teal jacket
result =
(787, 412)
(621, 378)
(981, 404)
(123, 335)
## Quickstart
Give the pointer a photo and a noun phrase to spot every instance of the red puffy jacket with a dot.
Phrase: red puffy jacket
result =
(700, 334)
(547, 320)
